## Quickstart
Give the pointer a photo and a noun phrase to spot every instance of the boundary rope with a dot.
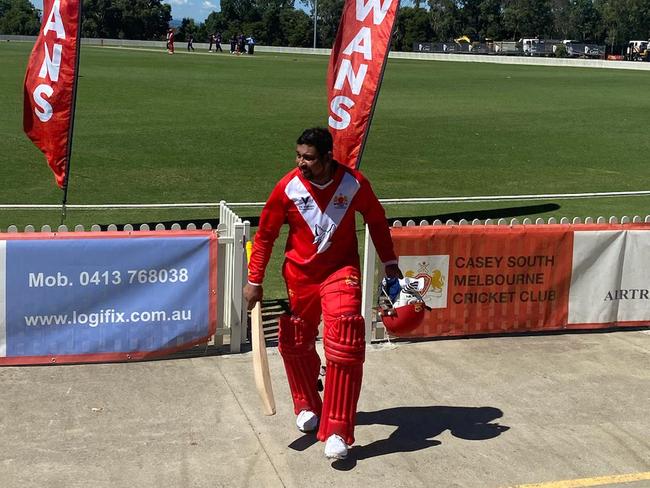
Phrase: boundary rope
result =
(384, 201)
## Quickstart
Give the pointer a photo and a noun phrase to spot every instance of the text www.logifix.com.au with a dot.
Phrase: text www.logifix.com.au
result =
(108, 317)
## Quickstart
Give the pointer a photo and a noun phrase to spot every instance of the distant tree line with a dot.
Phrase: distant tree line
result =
(281, 23)
(270, 22)
(609, 22)
(18, 17)
(125, 19)
(119, 19)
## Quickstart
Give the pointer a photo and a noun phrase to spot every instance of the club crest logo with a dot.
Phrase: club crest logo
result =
(340, 201)
(433, 270)
(434, 281)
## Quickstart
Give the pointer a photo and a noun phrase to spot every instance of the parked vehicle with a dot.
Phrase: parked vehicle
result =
(637, 51)
(580, 49)
(537, 47)
(530, 47)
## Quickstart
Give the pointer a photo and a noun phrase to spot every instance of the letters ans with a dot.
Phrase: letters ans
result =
(361, 59)
(51, 64)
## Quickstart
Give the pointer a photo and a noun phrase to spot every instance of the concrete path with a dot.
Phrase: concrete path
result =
(473, 413)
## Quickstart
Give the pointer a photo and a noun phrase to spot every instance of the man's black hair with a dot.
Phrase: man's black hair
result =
(318, 137)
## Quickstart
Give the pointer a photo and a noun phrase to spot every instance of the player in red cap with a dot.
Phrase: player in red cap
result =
(318, 199)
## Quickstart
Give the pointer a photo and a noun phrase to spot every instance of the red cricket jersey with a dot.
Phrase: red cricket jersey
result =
(322, 228)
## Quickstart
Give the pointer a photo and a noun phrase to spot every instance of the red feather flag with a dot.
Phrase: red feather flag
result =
(50, 84)
(355, 73)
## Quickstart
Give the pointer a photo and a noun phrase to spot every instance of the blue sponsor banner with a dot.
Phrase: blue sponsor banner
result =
(80, 297)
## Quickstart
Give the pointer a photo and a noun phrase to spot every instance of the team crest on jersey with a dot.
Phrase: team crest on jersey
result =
(340, 201)
(304, 203)
(322, 234)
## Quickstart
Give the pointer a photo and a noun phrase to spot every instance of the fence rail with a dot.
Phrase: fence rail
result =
(427, 56)
(232, 270)
(384, 201)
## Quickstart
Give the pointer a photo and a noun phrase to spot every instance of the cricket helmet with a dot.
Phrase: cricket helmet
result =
(401, 307)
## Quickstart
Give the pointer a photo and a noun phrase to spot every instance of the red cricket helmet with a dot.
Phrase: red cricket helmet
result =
(404, 319)
(401, 306)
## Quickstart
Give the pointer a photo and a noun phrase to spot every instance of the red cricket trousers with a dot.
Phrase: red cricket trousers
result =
(338, 300)
(338, 295)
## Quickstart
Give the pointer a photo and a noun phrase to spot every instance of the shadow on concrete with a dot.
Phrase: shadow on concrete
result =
(303, 442)
(517, 333)
(167, 223)
(418, 426)
(495, 213)
(271, 311)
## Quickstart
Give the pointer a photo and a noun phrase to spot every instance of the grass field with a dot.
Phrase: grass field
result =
(152, 128)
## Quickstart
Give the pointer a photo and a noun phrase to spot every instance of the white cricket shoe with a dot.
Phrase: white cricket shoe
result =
(307, 421)
(336, 448)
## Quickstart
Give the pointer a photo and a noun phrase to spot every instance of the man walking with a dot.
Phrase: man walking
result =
(318, 199)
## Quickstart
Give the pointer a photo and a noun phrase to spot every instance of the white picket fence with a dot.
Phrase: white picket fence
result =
(232, 273)
(232, 265)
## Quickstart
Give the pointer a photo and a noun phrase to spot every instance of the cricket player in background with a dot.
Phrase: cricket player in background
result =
(170, 41)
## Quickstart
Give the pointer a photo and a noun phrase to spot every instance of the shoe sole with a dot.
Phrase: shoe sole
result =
(337, 457)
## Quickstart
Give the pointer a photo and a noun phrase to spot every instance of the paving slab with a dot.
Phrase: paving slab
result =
(491, 412)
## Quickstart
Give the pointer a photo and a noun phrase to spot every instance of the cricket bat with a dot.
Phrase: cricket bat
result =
(261, 362)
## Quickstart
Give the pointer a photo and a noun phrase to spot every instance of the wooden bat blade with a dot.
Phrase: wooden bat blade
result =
(261, 362)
